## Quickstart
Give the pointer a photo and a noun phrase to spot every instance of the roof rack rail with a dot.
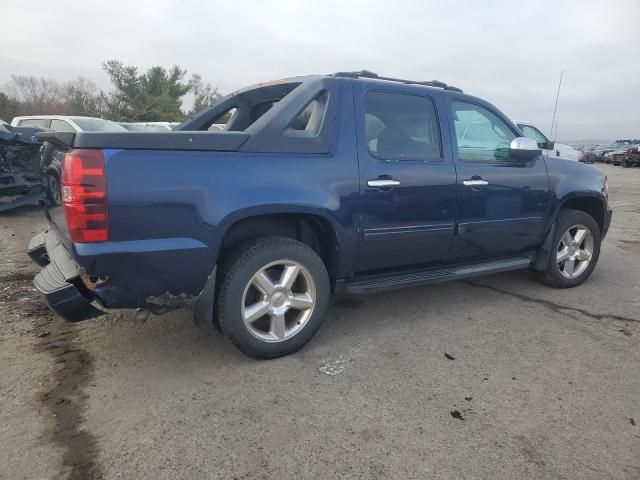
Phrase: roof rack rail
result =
(368, 74)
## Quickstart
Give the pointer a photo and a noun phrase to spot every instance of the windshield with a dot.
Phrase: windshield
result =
(88, 124)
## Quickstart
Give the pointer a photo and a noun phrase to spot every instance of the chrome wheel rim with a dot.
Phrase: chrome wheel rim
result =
(278, 301)
(575, 251)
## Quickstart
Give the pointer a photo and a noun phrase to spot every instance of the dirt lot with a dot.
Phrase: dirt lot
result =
(499, 377)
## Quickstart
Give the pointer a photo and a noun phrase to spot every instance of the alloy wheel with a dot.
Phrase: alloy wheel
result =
(575, 251)
(278, 301)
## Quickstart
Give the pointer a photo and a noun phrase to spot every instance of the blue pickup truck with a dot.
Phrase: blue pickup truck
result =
(349, 182)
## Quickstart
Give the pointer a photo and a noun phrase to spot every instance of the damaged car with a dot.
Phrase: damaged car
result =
(20, 179)
(50, 156)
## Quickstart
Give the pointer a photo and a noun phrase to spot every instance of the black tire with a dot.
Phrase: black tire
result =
(54, 190)
(236, 271)
(568, 218)
(626, 164)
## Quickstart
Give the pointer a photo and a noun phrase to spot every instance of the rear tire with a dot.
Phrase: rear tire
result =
(273, 296)
(54, 190)
(576, 248)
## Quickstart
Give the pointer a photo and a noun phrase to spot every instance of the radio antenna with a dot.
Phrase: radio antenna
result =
(555, 108)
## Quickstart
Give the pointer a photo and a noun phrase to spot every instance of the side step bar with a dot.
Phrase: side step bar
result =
(377, 283)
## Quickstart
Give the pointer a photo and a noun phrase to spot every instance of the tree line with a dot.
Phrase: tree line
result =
(151, 96)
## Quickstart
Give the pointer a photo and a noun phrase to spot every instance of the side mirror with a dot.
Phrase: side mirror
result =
(550, 145)
(523, 148)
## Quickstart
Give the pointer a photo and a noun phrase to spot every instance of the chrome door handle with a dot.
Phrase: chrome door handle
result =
(383, 183)
(474, 183)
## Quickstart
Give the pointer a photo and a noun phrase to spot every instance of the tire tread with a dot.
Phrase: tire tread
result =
(232, 265)
(565, 219)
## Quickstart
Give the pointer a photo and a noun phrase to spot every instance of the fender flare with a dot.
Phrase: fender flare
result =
(546, 248)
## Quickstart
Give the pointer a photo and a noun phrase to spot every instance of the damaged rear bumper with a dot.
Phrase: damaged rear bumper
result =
(59, 282)
(131, 275)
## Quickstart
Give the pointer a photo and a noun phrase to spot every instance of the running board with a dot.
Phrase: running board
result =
(377, 283)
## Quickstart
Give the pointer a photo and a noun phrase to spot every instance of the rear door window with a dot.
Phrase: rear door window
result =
(401, 126)
(35, 122)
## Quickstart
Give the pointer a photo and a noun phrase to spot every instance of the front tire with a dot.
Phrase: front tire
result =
(576, 250)
(272, 297)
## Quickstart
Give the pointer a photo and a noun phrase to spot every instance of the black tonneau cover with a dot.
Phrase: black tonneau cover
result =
(211, 141)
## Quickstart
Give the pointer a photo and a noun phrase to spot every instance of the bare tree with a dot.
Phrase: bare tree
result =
(35, 94)
(155, 95)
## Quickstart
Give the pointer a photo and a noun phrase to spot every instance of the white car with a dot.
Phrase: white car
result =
(64, 123)
(161, 126)
(549, 148)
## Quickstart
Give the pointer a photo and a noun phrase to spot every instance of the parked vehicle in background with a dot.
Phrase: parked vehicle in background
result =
(549, 148)
(64, 123)
(20, 179)
(598, 152)
(617, 156)
(162, 126)
(605, 152)
(587, 154)
(137, 127)
(346, 182)
(50, 159)
(217, 126)
(632, 157)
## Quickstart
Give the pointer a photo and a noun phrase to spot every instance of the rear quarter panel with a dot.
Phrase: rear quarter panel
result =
(169, 210)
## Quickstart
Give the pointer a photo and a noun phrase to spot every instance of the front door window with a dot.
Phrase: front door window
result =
(480, 134)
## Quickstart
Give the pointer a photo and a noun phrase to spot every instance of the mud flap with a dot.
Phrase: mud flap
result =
(203, 306)
(542, 257)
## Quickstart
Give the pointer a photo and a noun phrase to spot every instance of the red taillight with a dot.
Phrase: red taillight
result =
(84, 195)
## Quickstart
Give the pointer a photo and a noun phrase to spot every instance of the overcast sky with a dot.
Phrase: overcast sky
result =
(508, 52)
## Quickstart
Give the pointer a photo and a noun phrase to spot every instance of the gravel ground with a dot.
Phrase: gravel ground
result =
(496, 377)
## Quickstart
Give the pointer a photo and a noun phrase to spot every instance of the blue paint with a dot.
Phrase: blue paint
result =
(137, 246)
(170, 209)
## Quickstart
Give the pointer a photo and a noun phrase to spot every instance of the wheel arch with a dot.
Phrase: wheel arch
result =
(312, 228)
(301, 224)
(593, 205)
